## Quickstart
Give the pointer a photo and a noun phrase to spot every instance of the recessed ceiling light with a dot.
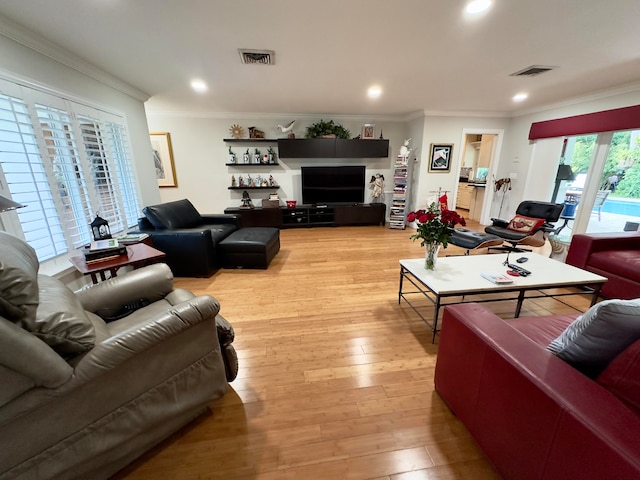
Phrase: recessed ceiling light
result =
(519, 97)
(478, 6)
(374, 92)
(199, 86)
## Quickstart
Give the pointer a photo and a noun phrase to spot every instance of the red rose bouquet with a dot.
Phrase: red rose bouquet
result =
(435, 225)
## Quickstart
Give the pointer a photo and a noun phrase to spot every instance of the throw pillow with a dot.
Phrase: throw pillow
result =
(523, 224)
(18, 278)
(595, 338)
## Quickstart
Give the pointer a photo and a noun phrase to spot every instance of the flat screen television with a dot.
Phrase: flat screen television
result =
(340, 184)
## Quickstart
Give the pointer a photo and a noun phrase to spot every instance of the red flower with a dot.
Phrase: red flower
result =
(411, 217)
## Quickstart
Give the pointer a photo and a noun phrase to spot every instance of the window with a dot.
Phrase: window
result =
(67, 162)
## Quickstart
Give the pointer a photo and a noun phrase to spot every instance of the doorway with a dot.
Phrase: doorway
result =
(477, 160)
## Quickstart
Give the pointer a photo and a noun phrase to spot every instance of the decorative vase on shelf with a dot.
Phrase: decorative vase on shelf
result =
(431, 255)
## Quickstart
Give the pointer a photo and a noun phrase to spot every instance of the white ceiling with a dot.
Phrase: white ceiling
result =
(425, 54)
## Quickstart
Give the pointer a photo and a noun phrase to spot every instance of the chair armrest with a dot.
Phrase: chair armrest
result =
(129, 343)
(221, 218)
(152, 283)
(582, 246)
(498, 222)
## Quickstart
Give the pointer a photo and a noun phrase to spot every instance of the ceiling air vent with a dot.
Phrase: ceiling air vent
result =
(532, 71)
(261, 57)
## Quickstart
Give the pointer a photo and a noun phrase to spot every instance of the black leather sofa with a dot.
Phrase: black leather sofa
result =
(189, 239)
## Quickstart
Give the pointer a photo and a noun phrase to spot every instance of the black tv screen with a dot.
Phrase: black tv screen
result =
(323, 185)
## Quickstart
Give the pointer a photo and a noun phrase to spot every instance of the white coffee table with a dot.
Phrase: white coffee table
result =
(460, 276)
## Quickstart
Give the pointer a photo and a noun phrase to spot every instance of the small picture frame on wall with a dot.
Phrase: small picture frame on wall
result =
(368, 131)
(163, 159)
(440, 158)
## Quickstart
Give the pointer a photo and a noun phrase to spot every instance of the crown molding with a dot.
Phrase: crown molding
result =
(609, 92)
(38, 43)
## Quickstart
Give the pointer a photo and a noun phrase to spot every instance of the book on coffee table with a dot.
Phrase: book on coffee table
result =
(497, 278)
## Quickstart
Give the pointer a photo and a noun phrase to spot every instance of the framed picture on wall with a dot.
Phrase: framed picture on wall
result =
(367, 131)
(163, 159)
(440, 158)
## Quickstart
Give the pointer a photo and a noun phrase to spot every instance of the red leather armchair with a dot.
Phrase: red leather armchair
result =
(612, 255)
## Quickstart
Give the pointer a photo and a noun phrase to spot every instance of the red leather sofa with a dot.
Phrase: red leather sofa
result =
(612, 255)
(533, 415)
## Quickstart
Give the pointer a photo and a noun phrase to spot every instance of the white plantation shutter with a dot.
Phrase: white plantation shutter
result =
(67, 162)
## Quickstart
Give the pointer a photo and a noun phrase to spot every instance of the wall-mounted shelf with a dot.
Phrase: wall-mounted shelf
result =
(275, 187)
(251, 164)
(250, 140)
(332, 148)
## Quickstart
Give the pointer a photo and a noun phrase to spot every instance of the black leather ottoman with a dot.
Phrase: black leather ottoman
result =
(252, 247)
(470, 239)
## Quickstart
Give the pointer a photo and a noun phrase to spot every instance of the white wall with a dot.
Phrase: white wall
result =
(439, 129)
(200, 155)
(25, 64)
(536, 162)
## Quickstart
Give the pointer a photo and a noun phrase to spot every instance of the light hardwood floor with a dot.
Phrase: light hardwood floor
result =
(336, 378)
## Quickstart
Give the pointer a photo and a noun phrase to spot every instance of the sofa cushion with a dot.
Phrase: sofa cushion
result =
(173, 215)
(622, 376)
(595, 338)
(523, 224)
(18, 279)
(625, 263)
(60, 320)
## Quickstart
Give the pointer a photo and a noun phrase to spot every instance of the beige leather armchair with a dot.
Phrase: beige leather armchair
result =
(80, 397)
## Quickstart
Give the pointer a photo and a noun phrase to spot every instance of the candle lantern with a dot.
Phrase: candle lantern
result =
(100, 229)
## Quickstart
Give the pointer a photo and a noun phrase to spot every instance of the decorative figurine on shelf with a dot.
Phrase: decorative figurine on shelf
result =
(246, 157)
(272, 155)
(377, 188)
(232, 156)
(258, 180)
(404, 149)
(250, 181)
(233, 181)
(256, 156)
(264, 183)
(241, 181)
(287, 129)
(272, 182)
(246, 200)
(236, 131)
(255, 133)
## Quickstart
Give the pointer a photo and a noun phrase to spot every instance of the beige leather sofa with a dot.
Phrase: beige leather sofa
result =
(81, 398)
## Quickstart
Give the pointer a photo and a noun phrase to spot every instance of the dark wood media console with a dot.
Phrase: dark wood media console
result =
(311, 215)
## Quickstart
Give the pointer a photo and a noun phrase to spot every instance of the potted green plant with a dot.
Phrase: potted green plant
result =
(328, 129)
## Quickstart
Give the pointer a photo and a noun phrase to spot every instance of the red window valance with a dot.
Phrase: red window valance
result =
(626, 118)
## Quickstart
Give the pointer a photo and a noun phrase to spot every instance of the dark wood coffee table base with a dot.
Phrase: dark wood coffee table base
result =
(138, 255)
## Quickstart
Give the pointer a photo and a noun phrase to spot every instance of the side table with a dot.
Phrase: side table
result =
(138, 255)
(566, 219)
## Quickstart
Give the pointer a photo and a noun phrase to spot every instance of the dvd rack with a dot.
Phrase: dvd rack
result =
(401, 183)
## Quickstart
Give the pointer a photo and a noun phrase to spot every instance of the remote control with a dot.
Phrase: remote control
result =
(517, 268)
(522, 259)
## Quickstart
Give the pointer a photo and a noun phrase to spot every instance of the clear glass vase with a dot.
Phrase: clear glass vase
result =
(431, 255)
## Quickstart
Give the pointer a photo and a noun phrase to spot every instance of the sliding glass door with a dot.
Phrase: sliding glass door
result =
(607, 181)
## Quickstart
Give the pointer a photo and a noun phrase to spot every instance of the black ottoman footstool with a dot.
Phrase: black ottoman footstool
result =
(252, 247)
(470, 239)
